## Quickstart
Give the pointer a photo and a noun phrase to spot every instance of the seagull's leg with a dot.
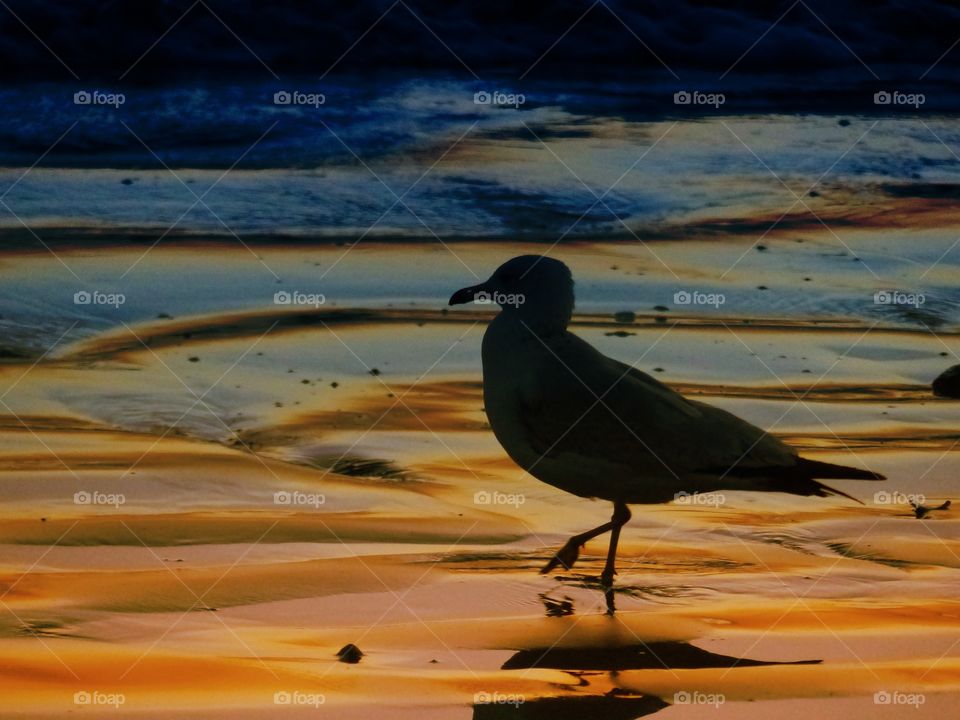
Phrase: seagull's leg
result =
(621, 516)
(568, 554)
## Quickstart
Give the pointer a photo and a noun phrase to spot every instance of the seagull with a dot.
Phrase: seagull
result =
(598, 428)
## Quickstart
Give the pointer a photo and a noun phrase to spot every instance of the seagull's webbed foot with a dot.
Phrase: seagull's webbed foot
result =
(566, 556)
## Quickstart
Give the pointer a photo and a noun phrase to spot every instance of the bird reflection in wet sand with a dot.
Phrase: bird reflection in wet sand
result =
(557, 608)
(588, 664)
(613, 706)
(598, 428)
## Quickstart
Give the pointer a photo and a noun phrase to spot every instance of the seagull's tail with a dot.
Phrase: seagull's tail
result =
(815, 469)
(798, 478)
(802, 478)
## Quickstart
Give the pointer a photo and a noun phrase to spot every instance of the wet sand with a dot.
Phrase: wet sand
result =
(184, 583)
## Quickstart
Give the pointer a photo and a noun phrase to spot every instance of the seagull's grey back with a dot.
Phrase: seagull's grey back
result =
(593, 426)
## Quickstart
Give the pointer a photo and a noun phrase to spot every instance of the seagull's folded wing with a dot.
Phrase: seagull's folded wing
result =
(582, 403)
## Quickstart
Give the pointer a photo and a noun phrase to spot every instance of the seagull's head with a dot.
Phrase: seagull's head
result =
(535, 288)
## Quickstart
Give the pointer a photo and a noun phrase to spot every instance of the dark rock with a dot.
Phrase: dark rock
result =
(948, 383)
(350, 653)
(921, 511)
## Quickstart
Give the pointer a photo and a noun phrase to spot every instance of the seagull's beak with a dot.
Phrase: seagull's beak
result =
(467, 294)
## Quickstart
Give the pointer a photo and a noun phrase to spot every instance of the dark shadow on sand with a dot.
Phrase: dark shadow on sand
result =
(582, 662)
(608, 707)
(644, 656)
